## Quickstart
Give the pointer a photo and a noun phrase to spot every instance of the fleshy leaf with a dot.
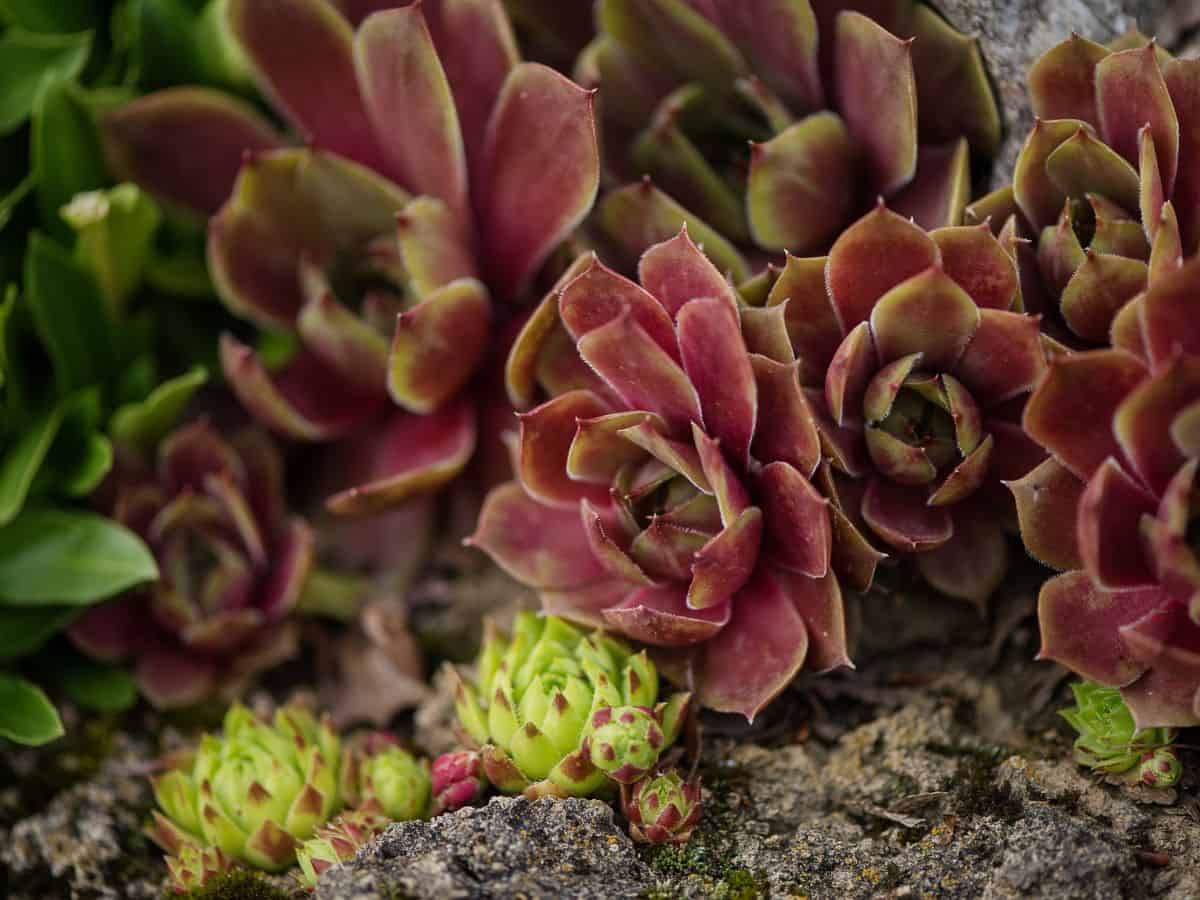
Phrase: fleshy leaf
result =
(1047, 501)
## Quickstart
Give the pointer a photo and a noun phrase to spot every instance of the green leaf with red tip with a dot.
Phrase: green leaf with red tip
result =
(599, 450)
(539, 173)
(966, 478)
(876, 94)
(438, 344)
(1062, 83)
(811, 322)
(433, 245)
(803, 184)
(1038, 197)
(547, 434)
(344, 342)
(927, 314)
(409, 104)
(1059, 253)
(1098, 290)
(674, 36)
(1084, 164)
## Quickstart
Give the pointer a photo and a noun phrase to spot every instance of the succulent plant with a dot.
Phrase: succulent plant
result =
(458, 780)
(1103, 187)
(664, 487)
(254, 792)
(662, 808)
(916, 360)
(196, 867)
(533, 712)
(232, 564)
(338, 842)
(838, 102)
(385, 777)
(1115, 507)
(1108, 739)
(440, 174)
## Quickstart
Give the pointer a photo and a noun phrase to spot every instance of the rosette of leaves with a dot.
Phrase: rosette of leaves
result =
(1104, 187)
(916, 361)
(664, 486)
(338, 842)
(540, 695)
(381, 775)
(232, 562)
(662, 808)
(458, 780)
(1110, 742)
(440, 173)
(255, 791)
(777, 124)
(1114, 506)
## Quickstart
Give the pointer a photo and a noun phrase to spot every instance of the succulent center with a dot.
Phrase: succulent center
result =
(919, 422)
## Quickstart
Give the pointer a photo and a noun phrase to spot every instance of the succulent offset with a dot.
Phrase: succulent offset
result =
(440, 174)
(254, 792)
(1115, 506)
(232, 564)
(1110, 742)
(1104, 187)
(337, 842)
(664, 486)
(662, 808)
(837, 103)
(547, 710)
(196, 867)
(384, 777)
(458, 780)
(916, 360)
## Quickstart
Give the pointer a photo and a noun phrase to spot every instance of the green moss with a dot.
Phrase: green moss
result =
(708, 855)
(238, 884)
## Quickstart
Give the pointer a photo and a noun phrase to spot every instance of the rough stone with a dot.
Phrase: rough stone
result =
(510, 848)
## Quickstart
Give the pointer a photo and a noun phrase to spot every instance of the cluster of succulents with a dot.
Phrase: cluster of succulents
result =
(765, 346)
(263, 792)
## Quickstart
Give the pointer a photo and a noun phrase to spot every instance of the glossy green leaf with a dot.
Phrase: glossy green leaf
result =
(93, 460)
(21, 461)
(51, 16)
(95, 685)
(26, 714)
(10, 201)
(69, 314)
(144, 424)
(24, 629)
(28, 63)
(56, 557)
(65, 151)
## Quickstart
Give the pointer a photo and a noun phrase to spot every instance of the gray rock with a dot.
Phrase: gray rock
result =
(1014, 33)
(510, 848)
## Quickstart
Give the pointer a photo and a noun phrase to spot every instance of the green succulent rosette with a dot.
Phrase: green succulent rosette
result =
(254, 792)
(390, 781)
(1110, 742)
(539, 694)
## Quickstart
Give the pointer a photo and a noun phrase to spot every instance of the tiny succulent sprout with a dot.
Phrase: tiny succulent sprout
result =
(195, 867)
(662, 808)
(1160, 768)
(253, 793)
(626, 742)
(458, 780)
(394, 782)
(533, 712)
(337, 842)
(1110, 742)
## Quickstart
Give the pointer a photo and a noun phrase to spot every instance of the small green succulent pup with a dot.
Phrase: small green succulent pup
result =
(558, 712)
(1110, 742)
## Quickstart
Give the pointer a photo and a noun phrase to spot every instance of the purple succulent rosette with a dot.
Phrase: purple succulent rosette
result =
(1115, 506)
(439, 173)
(663, 487)
(232, 564)
(1103, 189)
(838, 102)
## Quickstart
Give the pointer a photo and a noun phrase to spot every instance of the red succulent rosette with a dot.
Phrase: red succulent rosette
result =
(1102, 189)
(232, 564)
(1116, 507)
(775, 124)
(439, 174)
(664, 487)
(916, 360)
